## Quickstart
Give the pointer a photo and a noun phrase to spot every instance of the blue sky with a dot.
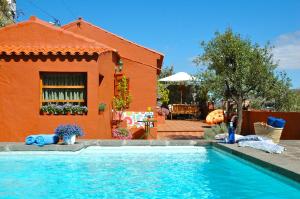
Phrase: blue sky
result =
(176, 27)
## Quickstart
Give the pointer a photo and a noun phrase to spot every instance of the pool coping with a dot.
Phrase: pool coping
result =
(272, 162)
(82, 144)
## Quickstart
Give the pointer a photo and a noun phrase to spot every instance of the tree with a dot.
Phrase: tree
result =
(239, 69)
(6, 14)
(166, 71)
(163, 94)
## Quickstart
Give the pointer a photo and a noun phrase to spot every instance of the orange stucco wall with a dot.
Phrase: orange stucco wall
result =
(142, 85)
(291, 130)
(20, 97)
(125, 48)
(72, 48)
(140, 64)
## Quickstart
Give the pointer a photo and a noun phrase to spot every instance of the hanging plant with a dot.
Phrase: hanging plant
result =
(101, 107)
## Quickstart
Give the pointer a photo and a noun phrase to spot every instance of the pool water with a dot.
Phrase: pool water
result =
(137, 172)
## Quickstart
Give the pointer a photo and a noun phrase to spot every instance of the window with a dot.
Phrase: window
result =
(61, 88)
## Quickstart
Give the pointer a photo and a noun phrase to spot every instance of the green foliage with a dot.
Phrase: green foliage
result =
(166, 71)
(123, 100)
(101, 107)
(6, 16)
(163, 93)
(296, 104)
(238, 70)
(210, 133)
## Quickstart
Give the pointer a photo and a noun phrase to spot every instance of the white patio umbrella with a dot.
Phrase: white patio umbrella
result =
(180, 77)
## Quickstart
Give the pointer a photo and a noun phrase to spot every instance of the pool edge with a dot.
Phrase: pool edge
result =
(292, 174)
(82, 144)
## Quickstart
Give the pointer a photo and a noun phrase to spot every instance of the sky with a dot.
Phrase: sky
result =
(176, 27)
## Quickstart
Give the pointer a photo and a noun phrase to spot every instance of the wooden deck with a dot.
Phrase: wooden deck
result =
(181, 129)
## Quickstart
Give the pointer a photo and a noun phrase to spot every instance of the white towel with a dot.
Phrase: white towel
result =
(265, 145)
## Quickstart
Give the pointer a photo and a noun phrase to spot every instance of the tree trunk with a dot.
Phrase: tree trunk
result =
(240, 115)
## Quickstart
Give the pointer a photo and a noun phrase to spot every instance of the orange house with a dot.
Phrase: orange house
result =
(77, 64)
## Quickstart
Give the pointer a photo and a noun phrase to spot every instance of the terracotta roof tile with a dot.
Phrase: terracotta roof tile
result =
(18, 50)
(36, 36)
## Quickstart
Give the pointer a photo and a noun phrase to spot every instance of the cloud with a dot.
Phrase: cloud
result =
(287, 50)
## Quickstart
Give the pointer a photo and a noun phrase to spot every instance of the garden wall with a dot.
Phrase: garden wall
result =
(291, 130)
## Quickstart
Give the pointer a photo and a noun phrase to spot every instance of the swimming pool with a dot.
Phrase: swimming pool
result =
(137, 172)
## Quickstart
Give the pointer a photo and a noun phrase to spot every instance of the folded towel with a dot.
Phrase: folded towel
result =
(252, 138)
(271, 120)
(42, 139)
(276, 122)
(224, 136)
(279, 123)
(30, 139)
(265, 145)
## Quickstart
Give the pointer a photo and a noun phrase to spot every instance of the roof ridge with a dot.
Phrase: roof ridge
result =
(34, 19)
(122, 38)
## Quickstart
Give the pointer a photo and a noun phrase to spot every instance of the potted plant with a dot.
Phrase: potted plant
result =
(73, 109)
(76, 110)
(67, 108)
(51, 109)
(58, 110)
(68, 133)
(122, 134)
(44, 109)
(101, 107)
(84, 109)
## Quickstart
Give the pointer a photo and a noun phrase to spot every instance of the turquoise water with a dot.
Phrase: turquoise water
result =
(144, 172)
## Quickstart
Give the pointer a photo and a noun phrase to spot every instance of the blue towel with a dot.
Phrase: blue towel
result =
(271, 120)
(279, 123)
(30, 139)
(42, 139)
(276, 122)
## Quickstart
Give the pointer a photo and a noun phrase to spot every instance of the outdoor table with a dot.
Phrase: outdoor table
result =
(148, 125)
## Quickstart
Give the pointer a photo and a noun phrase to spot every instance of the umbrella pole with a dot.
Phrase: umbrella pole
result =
(180, 96)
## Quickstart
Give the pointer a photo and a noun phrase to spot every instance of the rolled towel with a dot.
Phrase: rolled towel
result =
(44, 139)
(30, 139)
(40, 141)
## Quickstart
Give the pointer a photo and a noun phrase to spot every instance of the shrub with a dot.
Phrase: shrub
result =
(210, 133)
(122, 133)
